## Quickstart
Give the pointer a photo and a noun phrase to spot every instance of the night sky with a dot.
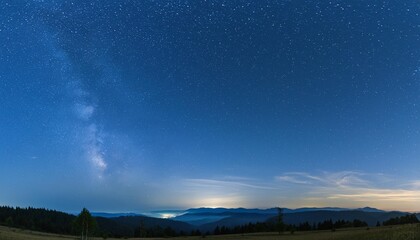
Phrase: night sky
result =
(153, 104)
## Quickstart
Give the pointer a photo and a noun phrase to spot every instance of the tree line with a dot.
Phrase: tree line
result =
(37, 219)
(273, 227)
(407, 219)
(85, 226)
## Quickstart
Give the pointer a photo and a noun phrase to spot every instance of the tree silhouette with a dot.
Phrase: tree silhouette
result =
(85, 224)
(9, 222)
(141, 231)
(280, 223)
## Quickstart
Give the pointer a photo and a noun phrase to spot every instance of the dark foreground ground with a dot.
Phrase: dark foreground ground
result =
(404, 232)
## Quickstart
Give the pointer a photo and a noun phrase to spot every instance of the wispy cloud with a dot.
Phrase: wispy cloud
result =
(212, 183)
(415, 185)
(352, 189)
(292, 179)
(342, 178)
(367, 195)
(345, 188)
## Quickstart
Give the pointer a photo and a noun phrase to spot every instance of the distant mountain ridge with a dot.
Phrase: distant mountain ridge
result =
(113, 215)
(207, 219)
(181, 214)
(274, 210)
(199, 216)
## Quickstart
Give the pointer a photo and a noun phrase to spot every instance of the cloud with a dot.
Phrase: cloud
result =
(291, 179)
(414, 185)
(212, 183)
(352, 189)
(342, 178)
(300, 178)
(367, 195)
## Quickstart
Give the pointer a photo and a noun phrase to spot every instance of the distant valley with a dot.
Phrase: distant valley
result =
(207, 219)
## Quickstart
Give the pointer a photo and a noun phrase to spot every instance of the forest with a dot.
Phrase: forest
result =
(51, 221)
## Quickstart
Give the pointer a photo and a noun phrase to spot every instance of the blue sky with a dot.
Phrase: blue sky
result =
(144, 105)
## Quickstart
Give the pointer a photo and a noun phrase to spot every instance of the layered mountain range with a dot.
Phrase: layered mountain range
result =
(207, 219)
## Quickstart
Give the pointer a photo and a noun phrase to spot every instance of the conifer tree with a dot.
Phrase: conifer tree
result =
(85, 224)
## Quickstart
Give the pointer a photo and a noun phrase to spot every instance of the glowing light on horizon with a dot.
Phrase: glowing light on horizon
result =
(168, 215)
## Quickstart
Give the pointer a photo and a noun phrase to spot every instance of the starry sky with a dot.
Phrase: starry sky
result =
(154, 104)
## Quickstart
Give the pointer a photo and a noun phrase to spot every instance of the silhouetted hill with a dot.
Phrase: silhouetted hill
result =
(127, 225)
(371, 218)
(369, 209)
(229, 210)
(59, 222)
(236, 220)
(113, 215)
(135, 221)
(38, 219)
(205, 216)
(110, 227)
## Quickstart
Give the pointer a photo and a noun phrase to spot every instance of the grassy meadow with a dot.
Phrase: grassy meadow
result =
(404, 232)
